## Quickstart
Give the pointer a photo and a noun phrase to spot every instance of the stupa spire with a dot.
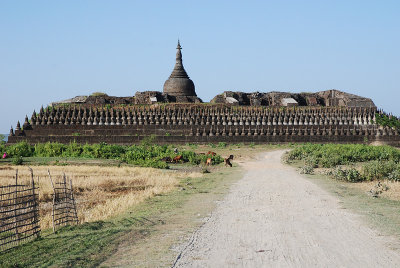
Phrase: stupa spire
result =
(179, 71)
(179, 45)
(179, 83)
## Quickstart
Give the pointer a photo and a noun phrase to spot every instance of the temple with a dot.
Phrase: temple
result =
(177, 115)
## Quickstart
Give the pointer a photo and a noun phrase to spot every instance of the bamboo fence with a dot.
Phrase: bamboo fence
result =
(64, 206)
(19, 213)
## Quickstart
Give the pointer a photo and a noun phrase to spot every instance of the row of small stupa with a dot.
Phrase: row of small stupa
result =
(183, 116)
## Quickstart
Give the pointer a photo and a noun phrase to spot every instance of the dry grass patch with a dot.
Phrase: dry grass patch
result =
(388, 189)
(100, 192)
(391, 188)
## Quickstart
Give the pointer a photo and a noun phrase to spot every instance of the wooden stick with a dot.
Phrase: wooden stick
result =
(15, 204)
(54, 201)
(35, 204)
(65, 207)
(73, 201)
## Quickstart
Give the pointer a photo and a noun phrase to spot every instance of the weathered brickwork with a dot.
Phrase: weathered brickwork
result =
(204, 124)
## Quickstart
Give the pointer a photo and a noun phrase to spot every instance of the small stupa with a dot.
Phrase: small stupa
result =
(179, 84)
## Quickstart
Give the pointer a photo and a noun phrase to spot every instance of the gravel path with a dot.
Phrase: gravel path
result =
(273, 217)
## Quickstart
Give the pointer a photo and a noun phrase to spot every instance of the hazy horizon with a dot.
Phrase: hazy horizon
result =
(53, 51)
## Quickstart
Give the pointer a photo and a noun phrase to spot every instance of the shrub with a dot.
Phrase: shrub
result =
(2, 149)
(148, 141)
(20, 149)
(378, 170)
(307, 170)
(311, 161)
(192, 145)
(49, 149)
(212, 145)
(394, 175)
(73, 150)
(18, 160)
(222, 144)
(387, 121)
(239, 145)
(2, 139)
(350, 175)
(146, 154)
(149, 163)
(99, 94)
(331, 155)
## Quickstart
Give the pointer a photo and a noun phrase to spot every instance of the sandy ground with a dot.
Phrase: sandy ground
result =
(274, 217)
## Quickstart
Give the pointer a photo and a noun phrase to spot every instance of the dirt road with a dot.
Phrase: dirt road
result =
(274, 217)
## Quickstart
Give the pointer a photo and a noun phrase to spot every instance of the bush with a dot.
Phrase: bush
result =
(212, 145)
(394, 175)
(311, 161)
(73, 150)
(378, 170)
(20, 149)
(18, 160)
(222, 144)
(49, 149)
(2, 149)
(146, 154)
(332, 155)
(149, 163)
(387, 121)
(307, 169)
(99, 94)
(2, 139)
(350, 175)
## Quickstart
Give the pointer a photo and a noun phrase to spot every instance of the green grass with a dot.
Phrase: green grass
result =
(377, 162)
(89, 244)
(146, 154)
(331, 155)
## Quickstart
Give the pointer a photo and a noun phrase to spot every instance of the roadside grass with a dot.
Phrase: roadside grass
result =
(349, 162)
(362, 177)
(380, 213)
(178, 221)
(89, 244)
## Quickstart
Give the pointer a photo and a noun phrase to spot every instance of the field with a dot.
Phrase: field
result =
(100, 192)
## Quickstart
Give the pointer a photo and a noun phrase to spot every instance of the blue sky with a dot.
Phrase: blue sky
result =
(53, 50)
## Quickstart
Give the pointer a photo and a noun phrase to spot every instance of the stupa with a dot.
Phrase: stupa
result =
(179, 84)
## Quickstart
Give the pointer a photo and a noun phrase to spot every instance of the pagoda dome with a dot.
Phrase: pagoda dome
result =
(179, 83)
